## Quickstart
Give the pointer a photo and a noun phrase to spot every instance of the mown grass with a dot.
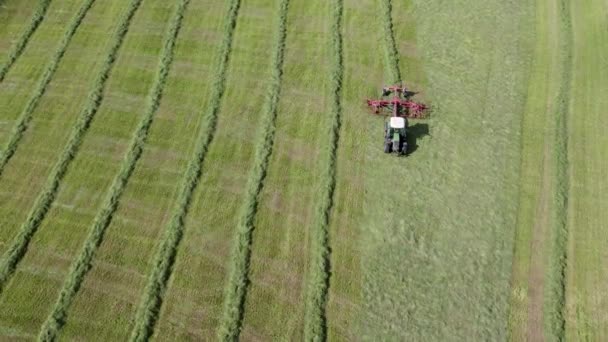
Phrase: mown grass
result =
(82, 264)
(586, 281)
(241, 255)
(155, 290)
(14, 16)
(536, 207)
(363, 77)
(431, 261)
(422, 245)
(26, 115)
(18, 86)
(19, 46)
(281, 245)
(130, 242)
(318, 282)
(366, 72)
(205, 253)
(29, 295)
(575, 79)
(19, 246)
(538, 299)
(391, 54)
(556, 305)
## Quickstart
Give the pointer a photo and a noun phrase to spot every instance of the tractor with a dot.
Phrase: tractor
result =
(395, 134)
(400, 109)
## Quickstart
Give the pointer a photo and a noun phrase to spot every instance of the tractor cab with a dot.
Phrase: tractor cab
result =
(398, 122)
(395, 132)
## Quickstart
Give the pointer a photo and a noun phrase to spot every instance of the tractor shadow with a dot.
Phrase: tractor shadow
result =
(415, 132)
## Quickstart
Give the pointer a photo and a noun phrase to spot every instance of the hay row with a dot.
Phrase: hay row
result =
(318, 275)
(43, 203)
(154, 292)
(17, 49)
(240, 261)
(55, 321)
(26, 115)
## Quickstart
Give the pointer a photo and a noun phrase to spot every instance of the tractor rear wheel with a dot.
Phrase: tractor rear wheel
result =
(387, 147)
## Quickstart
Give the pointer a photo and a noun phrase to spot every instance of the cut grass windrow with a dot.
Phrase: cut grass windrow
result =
(18, 48)
(318, 281)
(241, 253)
(81, 266)
(557, 303)
(45, 199)
(390, 47)
(26, 116)
(152, 297)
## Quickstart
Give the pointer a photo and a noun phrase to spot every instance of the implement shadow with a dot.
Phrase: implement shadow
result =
(409, 94)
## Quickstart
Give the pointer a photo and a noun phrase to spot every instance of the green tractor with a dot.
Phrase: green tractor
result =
(395, 134)
(401, 108)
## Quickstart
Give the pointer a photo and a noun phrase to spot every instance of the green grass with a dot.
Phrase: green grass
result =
(438, 225)
(531, 174)
(315, 319)
(363, 75)
(14, 16)
(53, 119)
(48, 248)
(559, 258)
(205, 256)
(391, 54)
(241, 255)
(563, 104)
(128, 249)
(63, 232)
(56, 320)
(17, 249)
(281, 246)
(17, 49)
(152, 298)
(26, 115)
(28, 79)
(587, 196)
(540, 217)
(244, 193)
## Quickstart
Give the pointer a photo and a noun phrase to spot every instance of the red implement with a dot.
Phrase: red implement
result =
(397, 105)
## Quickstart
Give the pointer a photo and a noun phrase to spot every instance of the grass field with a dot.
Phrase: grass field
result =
(206, 169)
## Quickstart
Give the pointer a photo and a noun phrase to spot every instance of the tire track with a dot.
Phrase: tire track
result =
(56, 319)
(536, 181)
(318, 283)
(157, 283)
(46, 198)
(239, 275)
(26, 115)
(18, 48)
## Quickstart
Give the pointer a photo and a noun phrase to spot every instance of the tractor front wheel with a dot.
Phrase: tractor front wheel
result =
(387, 147)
